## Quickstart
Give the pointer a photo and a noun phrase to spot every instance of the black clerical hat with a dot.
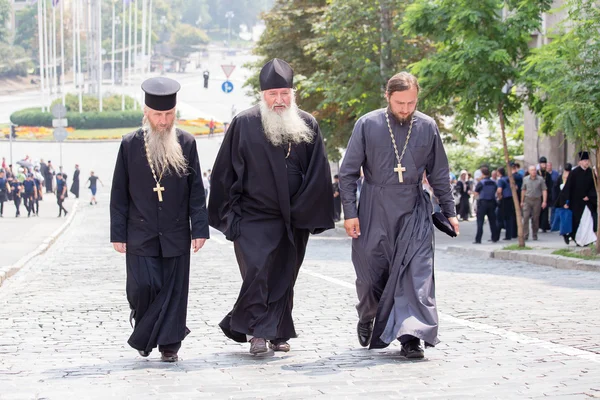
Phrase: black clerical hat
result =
(276, 74)
(161, 93)
(584, 155)
(543, 159)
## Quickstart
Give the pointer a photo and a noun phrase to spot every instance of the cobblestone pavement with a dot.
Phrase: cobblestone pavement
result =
(508, 330)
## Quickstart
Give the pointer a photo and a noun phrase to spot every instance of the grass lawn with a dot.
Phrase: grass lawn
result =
(516, 247)
(569, 253)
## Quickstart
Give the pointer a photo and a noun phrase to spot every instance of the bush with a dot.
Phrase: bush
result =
(91, 103)
(86, 120)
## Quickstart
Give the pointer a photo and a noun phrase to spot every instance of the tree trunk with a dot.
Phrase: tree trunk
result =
(513, 186)
(385, 58)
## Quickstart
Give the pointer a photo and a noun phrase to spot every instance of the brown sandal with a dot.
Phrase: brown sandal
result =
(281, 346)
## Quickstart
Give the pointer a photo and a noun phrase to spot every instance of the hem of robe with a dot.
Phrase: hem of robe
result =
(383, 321)
(146, 332)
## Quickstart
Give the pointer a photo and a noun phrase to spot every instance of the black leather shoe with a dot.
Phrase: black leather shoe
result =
(168, 356)
(144, 353)
(364, 331)
(566, 238)
(412, 349)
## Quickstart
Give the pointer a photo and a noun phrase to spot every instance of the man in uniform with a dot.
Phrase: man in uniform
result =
(270, 188)
(392, 250)
(61, 193)
(158, 210)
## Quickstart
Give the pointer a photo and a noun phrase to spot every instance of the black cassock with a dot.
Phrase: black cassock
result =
(267, 205)
(158, 237)
(75, 184)
(580, 184)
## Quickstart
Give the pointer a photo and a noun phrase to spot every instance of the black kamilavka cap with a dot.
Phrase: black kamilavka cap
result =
(276, 74)
(161, 93)
(584, 155)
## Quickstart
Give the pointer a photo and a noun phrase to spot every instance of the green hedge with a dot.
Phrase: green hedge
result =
(86, 120)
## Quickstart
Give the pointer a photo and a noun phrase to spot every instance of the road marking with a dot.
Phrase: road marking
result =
(503, 333)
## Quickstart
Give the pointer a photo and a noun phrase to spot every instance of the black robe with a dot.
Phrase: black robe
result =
(580, 184)
(250, 202)
(75, 184)
(158, 237)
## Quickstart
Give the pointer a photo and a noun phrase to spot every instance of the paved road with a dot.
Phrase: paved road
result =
(508, 330)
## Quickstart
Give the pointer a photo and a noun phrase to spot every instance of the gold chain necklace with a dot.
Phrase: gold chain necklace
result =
(399, 169)
(158, 188)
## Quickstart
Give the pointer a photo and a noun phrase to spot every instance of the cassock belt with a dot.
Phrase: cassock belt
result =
(397, 185)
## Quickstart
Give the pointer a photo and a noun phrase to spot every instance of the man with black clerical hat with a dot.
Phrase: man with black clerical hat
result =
(580, 192)
(157, 210)
(392, 231)
(270, 188)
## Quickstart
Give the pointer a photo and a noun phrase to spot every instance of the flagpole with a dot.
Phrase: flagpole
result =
(46, 55)
(74, 44)
(62, 50)
(79, 73)
(123, 61)
(54, 69)
(41, 55)
(112, 60)
(150, 37)
(144, 14)
(129, 48)
(135, 38)
(100, 65)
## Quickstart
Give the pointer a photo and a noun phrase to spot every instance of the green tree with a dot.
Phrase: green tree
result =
(563, 79)
(481, 50)
(186, 39)
(5, 10)
(26, 34)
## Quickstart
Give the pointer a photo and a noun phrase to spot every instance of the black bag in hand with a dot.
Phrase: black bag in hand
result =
(441, 222)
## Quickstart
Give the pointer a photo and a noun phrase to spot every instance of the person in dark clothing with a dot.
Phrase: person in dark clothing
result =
(93, 180)
(486, 205)
(547, 176)
(44, 171)
(507, 205)
(463, 187)
(4, 189)
(580, 192)
(560, 197)
(337, 200)
(29, 194)
(61, 192)
(49, 177)
(38, 192)
(17, 190)
(75, 184)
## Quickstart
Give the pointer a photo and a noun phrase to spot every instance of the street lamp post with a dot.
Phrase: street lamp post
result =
(229, 15)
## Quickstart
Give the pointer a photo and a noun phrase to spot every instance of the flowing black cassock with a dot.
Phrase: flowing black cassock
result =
(75, 184)
(393, 256)
(158, 237)
(250, 202)
(580, 184)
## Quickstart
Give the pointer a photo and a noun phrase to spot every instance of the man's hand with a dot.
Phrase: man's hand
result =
(543, 204)
(566, 206)
(352, 227)
(120, 247)
(197, 244)
(454, 222)
(586, 198)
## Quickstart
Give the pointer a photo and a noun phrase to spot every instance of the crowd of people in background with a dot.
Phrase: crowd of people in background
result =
(548, 200)
(25, 184)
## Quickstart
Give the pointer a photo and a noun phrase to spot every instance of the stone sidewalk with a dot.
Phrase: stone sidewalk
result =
(508, 330)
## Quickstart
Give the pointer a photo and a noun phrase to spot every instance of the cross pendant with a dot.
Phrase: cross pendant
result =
(400, 169)
(159, 189)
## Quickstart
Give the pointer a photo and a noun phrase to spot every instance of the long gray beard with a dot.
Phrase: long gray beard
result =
(287, 127)
(165, 152)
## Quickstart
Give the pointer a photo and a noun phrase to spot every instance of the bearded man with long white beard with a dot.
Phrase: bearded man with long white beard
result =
(157, 210)
(270, 188)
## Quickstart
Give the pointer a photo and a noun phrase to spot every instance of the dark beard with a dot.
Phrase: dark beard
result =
(402, 121)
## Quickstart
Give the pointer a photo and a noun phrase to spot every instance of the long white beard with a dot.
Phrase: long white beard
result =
(165, 152)
(287, 127)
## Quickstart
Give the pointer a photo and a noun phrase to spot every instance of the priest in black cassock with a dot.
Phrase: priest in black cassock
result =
(270, 188)
(580, 192)
(157, 210)
(392, 228)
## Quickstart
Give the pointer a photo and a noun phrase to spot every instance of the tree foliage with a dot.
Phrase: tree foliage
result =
(186, 39)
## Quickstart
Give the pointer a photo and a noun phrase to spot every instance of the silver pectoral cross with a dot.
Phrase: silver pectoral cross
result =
(400, 169)
(159, 189)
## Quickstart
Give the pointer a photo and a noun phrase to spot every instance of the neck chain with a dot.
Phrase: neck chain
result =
(289, 150)
(150, 161)
(401, 156)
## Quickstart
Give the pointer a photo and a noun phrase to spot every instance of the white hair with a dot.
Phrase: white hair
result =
(165, 152)
(285, 127)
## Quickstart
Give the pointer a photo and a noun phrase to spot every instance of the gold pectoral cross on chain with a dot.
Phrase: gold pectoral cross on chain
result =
(159, 189)
(400, 169)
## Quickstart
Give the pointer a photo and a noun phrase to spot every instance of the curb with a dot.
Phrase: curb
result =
(532, 257)
(8, 271)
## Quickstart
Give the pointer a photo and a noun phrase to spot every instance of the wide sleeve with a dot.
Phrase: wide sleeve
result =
(312, 206)
(119, 199)
(197, 203)
(350, 170)
(438, 175)
(226, 185)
